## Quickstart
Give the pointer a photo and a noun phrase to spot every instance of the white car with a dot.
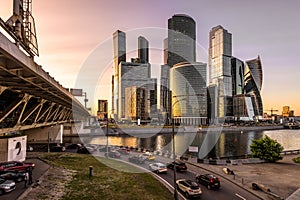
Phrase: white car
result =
(158, 167)
(6, 186)
(189, 188)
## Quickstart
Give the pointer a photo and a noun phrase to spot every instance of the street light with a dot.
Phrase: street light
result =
(174, 156)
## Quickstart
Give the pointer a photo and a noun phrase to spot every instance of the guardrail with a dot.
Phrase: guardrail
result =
(289, 152)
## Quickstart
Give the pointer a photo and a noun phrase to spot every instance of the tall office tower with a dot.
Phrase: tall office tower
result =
(181, 39)
(143, 49)
(119, 47)
(165, 51)
(135, 74)
(220, 52)
(253, 83)
(285, 111)
(237, 71)
(189, 93)
(136, 103)
(102, 109)
(165, 94)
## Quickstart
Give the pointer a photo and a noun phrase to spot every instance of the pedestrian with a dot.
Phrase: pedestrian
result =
(26, 179)
(30, 176)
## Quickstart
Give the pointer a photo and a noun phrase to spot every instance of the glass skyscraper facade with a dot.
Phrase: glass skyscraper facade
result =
(181, 39)
(220, 74)
(189, 93)
(143, 49)
(119, 47)
(253, 83)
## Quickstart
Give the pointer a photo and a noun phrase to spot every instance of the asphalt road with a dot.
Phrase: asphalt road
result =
(228, 190)
(39, 170)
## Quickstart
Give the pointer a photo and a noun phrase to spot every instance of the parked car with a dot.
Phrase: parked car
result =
(16, 166)
(16, 176)
(112, 154)
(57, 149)
(123, 150)
(74, 146)
(180, 166)
(158, 167)
(83, 150)
(6, 186)
(148, 156)
(137, 159)
(189, 188)
(209, 180)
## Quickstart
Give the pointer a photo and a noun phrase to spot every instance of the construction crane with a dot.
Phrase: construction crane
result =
(21, 26)
(272, 110)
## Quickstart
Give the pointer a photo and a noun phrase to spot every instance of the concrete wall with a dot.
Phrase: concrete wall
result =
(3, 149)
(41, 134)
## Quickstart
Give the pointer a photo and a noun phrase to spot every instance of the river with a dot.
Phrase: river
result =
(207, 144)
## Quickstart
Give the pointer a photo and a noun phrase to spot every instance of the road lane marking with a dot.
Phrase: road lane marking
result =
(240, 196)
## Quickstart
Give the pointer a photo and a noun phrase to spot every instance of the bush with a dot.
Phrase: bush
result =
(266, 149)
(296, 160)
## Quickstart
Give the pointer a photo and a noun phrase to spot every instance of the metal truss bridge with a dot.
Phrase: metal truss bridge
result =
(29, 96)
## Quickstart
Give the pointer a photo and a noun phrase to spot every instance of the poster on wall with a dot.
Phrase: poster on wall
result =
(17, 148)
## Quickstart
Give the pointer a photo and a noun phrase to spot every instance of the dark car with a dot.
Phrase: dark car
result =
(209, 180)
(13, 175)
(84, 150)
(16, 166)
(180, 166)
(57, 149)
(137, 159)
(112, 154)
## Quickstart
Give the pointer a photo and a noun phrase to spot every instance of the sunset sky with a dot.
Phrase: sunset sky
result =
(69, 31)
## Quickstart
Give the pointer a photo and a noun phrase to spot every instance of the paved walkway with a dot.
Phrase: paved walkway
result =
(281, 178)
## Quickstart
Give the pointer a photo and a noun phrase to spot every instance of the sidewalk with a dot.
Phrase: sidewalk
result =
(282, 178)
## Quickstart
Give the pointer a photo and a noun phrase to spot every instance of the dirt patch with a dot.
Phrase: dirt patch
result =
(50, 186)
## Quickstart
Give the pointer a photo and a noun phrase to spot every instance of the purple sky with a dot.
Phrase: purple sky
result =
(69, 31)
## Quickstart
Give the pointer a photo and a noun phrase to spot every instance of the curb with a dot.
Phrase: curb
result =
(221, 175)
(28, 190)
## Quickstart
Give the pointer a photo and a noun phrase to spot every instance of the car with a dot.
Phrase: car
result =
(83, 150)
(16, 166)
(158, 168)
(209, 180)
(180, 166)
(112, 154)
(57, 149)
(16, 176)
(148, 156)
(123, 150)
(137, 159)
(189, 188)
(6, 186)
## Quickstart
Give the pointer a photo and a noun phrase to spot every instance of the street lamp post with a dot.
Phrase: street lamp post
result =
(174, 157)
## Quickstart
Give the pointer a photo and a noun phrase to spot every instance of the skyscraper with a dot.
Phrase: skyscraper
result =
(143, 49)
(253, 83)
(181, 39)
(220, 52)
(119, 46)
(238, 71)
(189, 93)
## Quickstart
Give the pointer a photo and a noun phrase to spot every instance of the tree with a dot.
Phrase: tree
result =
(266, 149)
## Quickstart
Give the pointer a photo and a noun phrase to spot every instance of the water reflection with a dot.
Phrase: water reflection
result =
(210, 144)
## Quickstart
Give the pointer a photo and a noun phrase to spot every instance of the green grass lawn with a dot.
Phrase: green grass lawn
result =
(296, 160)
(106, 182)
